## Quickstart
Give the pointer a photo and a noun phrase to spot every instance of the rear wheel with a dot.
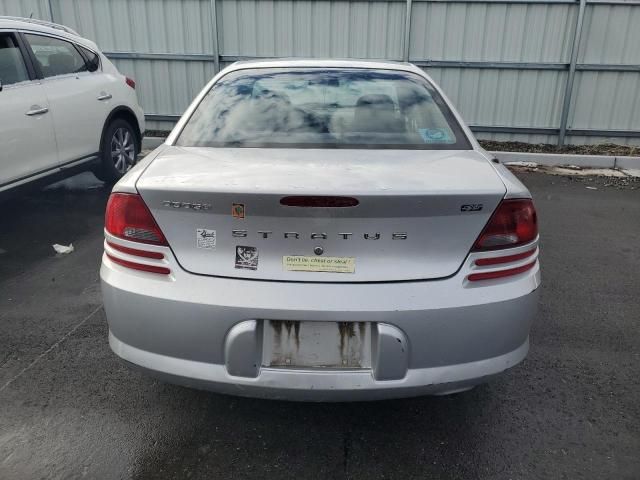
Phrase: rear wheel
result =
(118, 151)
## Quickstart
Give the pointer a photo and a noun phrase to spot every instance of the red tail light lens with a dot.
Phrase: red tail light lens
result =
(139, 266)
(513, 223)
(484, 262)
(128, 217)
(131, 82)
(501, 273)
(135, 252)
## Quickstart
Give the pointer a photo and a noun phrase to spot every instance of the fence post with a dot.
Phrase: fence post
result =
(214, 35)
(407, 33)
(566, 104)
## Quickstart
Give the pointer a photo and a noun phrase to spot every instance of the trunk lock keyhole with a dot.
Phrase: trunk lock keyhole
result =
(318, 250)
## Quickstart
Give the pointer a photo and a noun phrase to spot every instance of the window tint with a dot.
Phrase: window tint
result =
(325, 108)
(12, 67)
(56, 57)
(93, 61)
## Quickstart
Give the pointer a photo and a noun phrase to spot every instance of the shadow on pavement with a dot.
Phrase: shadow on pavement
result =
(62, 213)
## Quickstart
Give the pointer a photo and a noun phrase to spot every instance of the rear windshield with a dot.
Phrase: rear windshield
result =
(323, 108)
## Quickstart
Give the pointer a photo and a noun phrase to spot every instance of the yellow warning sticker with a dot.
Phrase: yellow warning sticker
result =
(298, 263)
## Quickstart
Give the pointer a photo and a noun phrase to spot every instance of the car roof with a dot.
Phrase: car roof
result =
(323, 63)
(37, 26)
(42, 26)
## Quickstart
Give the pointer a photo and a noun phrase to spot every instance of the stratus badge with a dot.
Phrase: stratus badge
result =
(237, 210)
(187, 205)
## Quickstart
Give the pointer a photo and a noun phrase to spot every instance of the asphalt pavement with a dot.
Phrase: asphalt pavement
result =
(70, 409)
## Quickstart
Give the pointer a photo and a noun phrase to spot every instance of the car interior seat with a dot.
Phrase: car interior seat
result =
(61, 64)
(377, 113)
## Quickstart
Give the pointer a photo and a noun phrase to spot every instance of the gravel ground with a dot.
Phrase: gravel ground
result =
(600, 149)
(589, 177)
(70, 409)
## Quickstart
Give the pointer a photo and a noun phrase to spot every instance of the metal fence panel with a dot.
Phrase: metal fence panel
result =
(148, 26)
(283, 28)
(608, 100)
(25, 8)
(504, 97)
(612, 35)
(508, 32)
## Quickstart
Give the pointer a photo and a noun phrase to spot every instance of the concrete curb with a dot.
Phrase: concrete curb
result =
(551, 159)
(632, 163)
(555, 159)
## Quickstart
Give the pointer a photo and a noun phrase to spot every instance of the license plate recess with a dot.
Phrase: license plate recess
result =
(328, 345)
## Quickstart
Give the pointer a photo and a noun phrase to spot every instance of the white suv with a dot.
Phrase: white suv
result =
(64, 107)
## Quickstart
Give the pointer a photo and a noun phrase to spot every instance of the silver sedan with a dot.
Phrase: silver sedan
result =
(321, 230)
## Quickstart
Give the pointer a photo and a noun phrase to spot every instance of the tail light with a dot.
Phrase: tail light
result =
(128, 217)
(513, 223)
(131, 82)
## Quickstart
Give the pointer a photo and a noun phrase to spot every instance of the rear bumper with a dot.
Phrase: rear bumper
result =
(205, 331)
(319, 386)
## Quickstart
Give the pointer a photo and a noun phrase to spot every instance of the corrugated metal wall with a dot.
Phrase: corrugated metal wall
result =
(504, 63)
(337, 29)
(25, 8)
(498, 32)
(608, 99)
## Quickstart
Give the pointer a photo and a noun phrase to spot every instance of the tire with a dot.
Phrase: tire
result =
(118, 152)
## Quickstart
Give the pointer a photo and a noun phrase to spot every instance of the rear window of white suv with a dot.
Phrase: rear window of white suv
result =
(56, 57)
(323, 108)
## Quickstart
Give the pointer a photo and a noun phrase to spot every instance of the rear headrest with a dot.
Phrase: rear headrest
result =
(376, 113)
(271, 96)
(377, 101)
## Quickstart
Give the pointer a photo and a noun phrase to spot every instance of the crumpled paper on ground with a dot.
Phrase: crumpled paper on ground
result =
(63, 249)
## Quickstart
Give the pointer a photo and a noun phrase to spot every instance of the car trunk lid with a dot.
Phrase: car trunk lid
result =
(289, 214)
